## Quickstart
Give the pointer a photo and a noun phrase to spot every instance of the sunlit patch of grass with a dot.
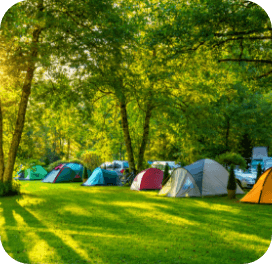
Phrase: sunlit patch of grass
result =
(218, 207)
(76, 224)
(76, 210)
(28, 201)
(44, 187)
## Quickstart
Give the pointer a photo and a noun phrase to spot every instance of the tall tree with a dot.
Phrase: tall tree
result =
(31, 47)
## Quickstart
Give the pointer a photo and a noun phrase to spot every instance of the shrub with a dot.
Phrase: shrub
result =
(229, 158)
(85, 173)
(91, 160)
(259, 172)
(165, 174)
(9, 188)
(50, 157)
(58, 162)
(54, 164)
(232, 179)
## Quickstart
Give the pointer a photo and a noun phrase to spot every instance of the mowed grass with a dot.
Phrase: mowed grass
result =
(69, 223)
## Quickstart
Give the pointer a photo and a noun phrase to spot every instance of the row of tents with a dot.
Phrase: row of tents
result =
(205, 177)
(66, 172)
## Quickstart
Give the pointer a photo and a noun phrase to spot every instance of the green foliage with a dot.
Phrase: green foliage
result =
(165, 174)
(259, 171)
(9, 188)
(85, 173)
(228, 158)
(77, 161)
(50, 156)
(200, 108)
(54, 164)
(91, 159)
(232, 181)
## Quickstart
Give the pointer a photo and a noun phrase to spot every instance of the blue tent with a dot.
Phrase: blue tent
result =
(103, 177)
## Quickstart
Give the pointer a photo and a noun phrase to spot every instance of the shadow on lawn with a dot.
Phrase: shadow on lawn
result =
(125, 225)
(15, 244)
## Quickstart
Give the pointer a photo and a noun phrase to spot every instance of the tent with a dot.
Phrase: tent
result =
(20, 175)
(149, 179)
(202, 178)
(261, 191)
(67, 172)
(35, 173)
(78, 169)
(103, 177)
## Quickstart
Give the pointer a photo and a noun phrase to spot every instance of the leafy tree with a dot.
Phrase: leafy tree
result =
(91, 159)
(165, 174)
(85, 173)
(24, 55)
(230, 159)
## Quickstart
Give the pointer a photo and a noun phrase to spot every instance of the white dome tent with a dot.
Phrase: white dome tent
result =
(202, 178)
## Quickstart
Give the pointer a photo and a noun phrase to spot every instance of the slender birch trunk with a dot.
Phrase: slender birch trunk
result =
(26, 90)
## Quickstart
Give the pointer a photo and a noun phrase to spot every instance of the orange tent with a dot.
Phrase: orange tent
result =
(261, 191)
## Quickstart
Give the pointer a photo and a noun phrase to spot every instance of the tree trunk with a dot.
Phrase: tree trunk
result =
(68, 150)
(144, 138)
(123, 110)
(2, 164)
(22, 106)
(227, 134)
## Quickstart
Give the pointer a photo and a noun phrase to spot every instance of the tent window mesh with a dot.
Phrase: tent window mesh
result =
(187, 185)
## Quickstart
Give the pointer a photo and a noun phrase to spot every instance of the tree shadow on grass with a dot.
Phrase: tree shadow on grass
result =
(16, 233)
(111, 220)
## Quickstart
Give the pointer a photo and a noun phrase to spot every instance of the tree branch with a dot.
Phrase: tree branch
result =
(247, 60)
(265, 74)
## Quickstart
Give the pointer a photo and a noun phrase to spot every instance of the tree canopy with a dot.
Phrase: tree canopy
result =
(135, 80)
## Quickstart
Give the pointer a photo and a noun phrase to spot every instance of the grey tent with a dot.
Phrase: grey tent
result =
(202, 178)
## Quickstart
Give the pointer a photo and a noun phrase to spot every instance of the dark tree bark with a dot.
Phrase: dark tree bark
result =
(2, 165)
(68, 149)
(227, 134)
(144, 138)
(127, 138)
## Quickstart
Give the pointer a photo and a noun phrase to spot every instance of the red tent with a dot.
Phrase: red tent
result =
(148, 179)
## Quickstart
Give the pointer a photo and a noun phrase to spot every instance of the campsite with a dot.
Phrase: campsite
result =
(135, 132)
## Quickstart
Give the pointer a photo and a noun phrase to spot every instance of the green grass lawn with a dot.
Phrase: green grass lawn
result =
(69, 223)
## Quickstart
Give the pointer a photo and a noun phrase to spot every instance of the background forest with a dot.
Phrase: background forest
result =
(134, 80)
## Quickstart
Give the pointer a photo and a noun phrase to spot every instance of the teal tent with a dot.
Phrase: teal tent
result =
(103, 177)
(35, 173)
(66, 172)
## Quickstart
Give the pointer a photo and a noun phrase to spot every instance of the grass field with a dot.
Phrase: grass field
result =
(69, 223)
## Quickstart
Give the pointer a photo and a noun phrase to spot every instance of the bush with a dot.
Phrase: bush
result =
(58, 162)
(165, 174)
(9, 188)
(85, 173)
(54, 164)
(227, 159)
(91, 160)
(50, 157)
(232, 179)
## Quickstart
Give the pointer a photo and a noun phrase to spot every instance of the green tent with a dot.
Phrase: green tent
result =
(35, 173)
